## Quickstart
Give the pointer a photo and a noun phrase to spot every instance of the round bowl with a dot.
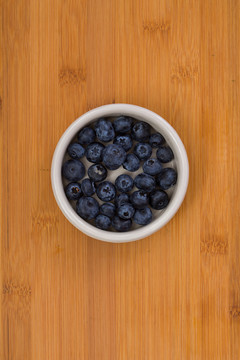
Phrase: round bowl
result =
(180, 163)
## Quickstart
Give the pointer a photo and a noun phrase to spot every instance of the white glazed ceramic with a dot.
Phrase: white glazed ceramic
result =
(180, 163)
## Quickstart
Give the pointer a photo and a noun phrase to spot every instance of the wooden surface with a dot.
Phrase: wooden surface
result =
(176, 294)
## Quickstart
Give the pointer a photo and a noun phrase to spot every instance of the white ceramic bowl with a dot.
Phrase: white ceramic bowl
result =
(180, 163)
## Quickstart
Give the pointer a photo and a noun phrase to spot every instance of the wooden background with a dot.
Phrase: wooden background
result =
(176, 294)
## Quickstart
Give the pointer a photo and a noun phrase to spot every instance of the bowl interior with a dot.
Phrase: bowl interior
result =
(176, 193)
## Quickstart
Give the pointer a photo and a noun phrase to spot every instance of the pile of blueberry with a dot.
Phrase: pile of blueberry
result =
(108, 145)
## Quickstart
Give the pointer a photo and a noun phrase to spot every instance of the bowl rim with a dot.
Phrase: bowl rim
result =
(160, 125)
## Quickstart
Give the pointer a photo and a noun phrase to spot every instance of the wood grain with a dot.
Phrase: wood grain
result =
(176, 294)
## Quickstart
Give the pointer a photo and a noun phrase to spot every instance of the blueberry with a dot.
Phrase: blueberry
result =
(88, 187)
(126, 211)
(73, 191)
(143, 216)
(113, 156)
(97, 172)
(165, 154)
(124, 140)
(106, 191)
(122, 124)
(103, 222)
(121, 199)
(87, 207)
(94, 152)
(86, 136)
(145, 182)
(76, 151)
(73, 170)
(143, 151)
(152, 166)
(141, 131)
(156, 140)
(158, 199)
(139, 199)
(167, 178)
(108, 209)
(132, 163)
(124, 183)
(120, 224)
(104, 130)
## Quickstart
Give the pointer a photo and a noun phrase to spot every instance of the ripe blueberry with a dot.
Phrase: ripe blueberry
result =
(132, 163)
(167, 178)
(94, 152)
(97, 172)
(158, 199)
(113, 156)
(143, 151)
(106, 191)
(86, 136)
(102, 222)
(165, 154)
(143, 216)
(120, 224)
(126, 211)
(141, 131)
(108, 209)
(145, 182)
(152, 166)
(76, 151)
(87, 207)
(73, 191)
(156, 140)
(139, 199)
(122, 124)
(104, 130)
(124, 183)
(124, 140)
(73, 170)
(88, 187)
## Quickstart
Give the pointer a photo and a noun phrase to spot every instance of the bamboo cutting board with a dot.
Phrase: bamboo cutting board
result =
(176, 294)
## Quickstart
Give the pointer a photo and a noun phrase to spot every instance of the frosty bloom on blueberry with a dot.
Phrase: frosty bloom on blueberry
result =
(86, 136)
(124, 140)
(156, 140)
(145, 182)
(124, 183)
(113, 156)
(88, 187)
(76, 151)
(122, 124)
(106, 191)
(128, 181)
(132, 163)
(121, 199)
(126, 211)
(152, 167)
(121, 224)
(108, 209)
(97, 172)
(102, 222)
(94, 152)
(141, 131)
(87, 207)
(165, 154)
(143, 216)
(73, 170)
(104, 130)
(143, 151)
(73, 191)
(167, 178)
